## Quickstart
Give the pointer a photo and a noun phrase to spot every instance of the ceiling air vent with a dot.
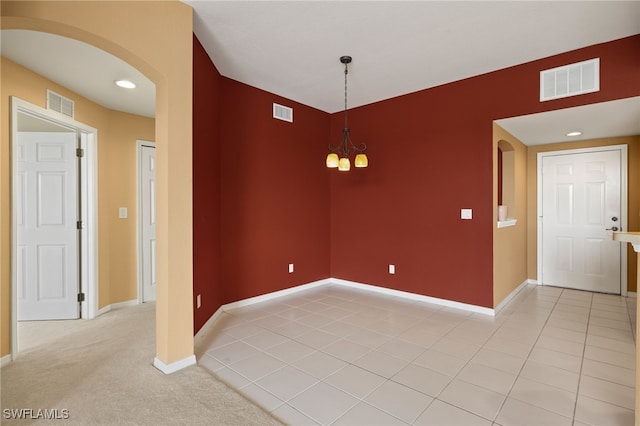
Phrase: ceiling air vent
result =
(282, 112)
(570, 80)
(59, 103)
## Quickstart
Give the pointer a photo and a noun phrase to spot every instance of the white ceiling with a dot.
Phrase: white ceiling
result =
(398, 47)
(595, 121)
(292, 48)
(80, 67)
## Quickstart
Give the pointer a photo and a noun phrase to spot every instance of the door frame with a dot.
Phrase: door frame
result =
(140, 143)
(89, 199)
(624, 176)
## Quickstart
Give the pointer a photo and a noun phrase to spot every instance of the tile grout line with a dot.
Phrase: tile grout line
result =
(463, 367)
(633, 328)
(319, 380)
(527, 359)
(468, 363)
(584, 350)
(556, 301)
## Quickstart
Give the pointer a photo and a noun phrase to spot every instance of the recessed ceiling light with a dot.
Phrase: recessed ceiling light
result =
(576, 133)
(126, 84)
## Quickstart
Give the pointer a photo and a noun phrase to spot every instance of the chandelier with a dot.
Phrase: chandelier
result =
(339, 155)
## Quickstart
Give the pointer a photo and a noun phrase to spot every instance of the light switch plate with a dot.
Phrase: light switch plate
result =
(291, 268)
(466, 213)
(122, 212)
(392, 269)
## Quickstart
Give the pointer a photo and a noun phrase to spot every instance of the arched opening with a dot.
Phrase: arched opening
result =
(506, 178)
(509, 231)
(158, 42)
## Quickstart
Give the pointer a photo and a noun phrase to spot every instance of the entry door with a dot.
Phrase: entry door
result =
(47, 236)
(581, 202)
(148, 221)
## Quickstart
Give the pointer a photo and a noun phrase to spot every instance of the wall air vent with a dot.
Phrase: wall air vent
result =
(59, 103)
(282, 112)
(570, 80)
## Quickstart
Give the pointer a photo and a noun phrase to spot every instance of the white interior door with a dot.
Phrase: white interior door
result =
(47, 239)
(148, 221)
(581, 202)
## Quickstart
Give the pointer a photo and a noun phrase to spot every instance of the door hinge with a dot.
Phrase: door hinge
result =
(79, 152)
(80, 224)
(80, 297)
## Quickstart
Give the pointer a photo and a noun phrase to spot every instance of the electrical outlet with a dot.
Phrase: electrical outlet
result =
(198, 301)
(291, 268)
(392, 269)
(122, 212)
(466, 214)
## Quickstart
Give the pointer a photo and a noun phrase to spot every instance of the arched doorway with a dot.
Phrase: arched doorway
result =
(156, 38)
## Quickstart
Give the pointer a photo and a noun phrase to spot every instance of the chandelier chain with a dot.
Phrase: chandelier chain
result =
(346, 71)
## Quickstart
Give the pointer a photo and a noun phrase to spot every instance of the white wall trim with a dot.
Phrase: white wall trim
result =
(415, 296)
(274, 295)
(513, 294)
(203, 330)
(174, 366)
(90, 275)
(632, 294)
(118, 305)
(5, 360)
(329, 281)
(352, 284)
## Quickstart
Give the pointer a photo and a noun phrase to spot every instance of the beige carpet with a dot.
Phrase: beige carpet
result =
(101, 371)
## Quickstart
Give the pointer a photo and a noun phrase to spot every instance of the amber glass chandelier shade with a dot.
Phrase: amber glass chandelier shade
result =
(332, 160)
(344, 165)
(361, 160)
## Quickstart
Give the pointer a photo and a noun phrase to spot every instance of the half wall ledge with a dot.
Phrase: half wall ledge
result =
(632, 238)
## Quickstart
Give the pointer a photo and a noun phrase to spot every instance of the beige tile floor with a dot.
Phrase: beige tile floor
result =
(336, 355)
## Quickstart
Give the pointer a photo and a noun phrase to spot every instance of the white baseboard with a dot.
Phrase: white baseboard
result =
(274, 295)
(124, 304)
(415, 296)
(174, 366)
(632, 294)
(361, 286)
(513, 294)
(353, 284)
(5, 360)
(209, 323)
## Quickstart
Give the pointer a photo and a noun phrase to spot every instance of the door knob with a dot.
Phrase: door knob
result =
(613, 228)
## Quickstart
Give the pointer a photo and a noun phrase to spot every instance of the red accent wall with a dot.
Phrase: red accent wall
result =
(430, 155)
(274, 194)
(206, 186)
(263, 197)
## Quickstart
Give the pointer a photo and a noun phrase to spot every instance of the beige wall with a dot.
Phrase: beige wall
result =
(633, 143)
(118, 180)
(117, 135)
(510, 243)
(156, 37)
